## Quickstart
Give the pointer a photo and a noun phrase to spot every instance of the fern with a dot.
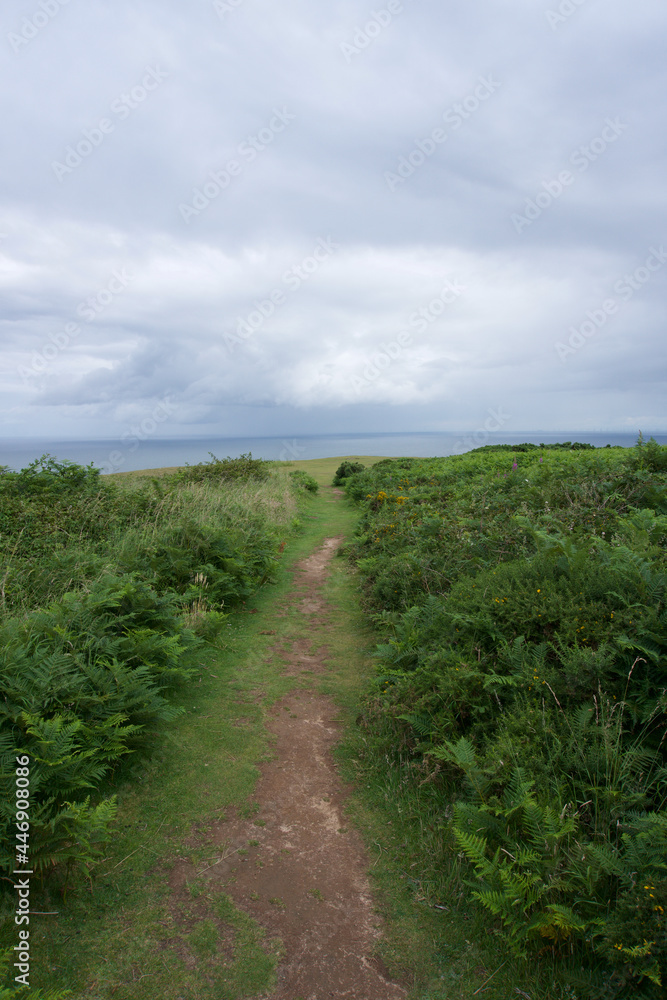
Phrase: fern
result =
(422, 724)
(84, 684)
(463, 756)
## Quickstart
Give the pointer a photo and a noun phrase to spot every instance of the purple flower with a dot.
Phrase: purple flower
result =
(541, 460)
(514, 466)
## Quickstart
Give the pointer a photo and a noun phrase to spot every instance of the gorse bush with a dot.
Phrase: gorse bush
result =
(346, 469)
(524, 601)
(428, 521)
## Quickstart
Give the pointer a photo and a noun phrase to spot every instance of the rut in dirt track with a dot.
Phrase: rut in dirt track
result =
(306, 882)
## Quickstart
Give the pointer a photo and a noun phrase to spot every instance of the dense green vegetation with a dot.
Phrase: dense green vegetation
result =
(306, 482)
(108, 591)
(516, 729)
(118, 927)
(243, 468)
(522, 687)
(345, 469)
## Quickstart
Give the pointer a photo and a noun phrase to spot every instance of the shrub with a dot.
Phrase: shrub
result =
(164, 530)
(523, 593)
(52, 518)
(302, 479)
(346, 469)
(202, 561)
(649, 455)
(244, 468)
(46, 475)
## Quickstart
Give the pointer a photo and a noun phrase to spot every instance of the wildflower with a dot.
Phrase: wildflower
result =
(514, 466)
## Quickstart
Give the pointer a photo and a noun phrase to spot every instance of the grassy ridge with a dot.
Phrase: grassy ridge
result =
(521, 685)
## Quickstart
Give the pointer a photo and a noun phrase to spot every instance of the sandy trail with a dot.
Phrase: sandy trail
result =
(305, 880)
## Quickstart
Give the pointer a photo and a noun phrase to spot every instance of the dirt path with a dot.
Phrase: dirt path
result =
(304, 877)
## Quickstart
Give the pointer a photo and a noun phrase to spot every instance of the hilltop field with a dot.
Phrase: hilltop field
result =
(480, 644)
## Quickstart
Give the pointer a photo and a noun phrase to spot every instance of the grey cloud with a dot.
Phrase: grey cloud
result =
(219, 78)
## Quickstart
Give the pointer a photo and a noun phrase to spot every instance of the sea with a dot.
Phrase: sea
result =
(156, 453)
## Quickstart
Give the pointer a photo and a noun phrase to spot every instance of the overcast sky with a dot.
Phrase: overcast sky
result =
(253, 217)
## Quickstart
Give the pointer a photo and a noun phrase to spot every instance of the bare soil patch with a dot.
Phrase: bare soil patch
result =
(294, 864)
